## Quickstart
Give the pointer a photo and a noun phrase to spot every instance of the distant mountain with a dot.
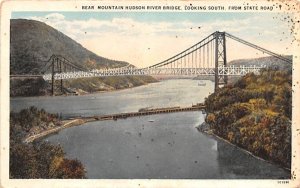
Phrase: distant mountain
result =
(33, 42)
(270, 62)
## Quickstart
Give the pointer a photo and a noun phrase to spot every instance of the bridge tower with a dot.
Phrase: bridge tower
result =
(56, 67)
(220, 58)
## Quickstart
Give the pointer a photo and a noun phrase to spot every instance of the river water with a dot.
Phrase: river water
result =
(149, 147)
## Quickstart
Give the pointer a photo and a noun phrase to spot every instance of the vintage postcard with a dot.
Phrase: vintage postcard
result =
(150, 94)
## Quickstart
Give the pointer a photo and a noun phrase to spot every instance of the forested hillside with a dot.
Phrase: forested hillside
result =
(40, 159)
(255, 113)
(32, 43)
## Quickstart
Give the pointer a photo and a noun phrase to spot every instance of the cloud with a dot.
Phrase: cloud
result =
(143, 43)
(55, 16)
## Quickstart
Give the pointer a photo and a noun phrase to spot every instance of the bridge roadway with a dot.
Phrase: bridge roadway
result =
(222, 71)
(69, 123)
(18, 76)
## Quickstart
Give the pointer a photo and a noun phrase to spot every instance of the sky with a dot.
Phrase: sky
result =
(147, 38)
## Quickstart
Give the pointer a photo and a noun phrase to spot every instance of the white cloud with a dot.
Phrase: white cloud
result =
(146, 43)
(55, 16)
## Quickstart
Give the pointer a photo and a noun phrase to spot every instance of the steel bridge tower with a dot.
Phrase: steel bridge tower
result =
(220, 58)
(56, 67)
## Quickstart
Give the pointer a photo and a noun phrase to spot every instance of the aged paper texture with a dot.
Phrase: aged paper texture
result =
(150, 93)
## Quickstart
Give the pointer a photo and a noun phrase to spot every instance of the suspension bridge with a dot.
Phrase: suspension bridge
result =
(207, 57)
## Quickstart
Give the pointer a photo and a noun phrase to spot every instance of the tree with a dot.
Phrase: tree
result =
(40, 159)
(255, 114)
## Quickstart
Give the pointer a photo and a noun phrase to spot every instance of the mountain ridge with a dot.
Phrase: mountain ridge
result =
(268, 61)
(33, 42)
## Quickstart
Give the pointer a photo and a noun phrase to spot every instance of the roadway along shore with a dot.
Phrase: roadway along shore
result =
(69, 123)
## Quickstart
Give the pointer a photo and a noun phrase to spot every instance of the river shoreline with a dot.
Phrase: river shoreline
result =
(115, 90)
(47, 132)
(83, 94)
(205, 128)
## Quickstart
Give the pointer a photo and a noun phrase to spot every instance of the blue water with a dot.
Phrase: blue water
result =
(155, 147)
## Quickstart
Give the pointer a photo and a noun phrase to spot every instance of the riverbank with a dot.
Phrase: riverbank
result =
(66, 124)
(162, 146)
(206, 129)
(109, 90)
(79, 86)
(255, 114)
(77, 92)
(41, 160)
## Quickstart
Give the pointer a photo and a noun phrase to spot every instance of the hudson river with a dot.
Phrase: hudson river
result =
(149, 147)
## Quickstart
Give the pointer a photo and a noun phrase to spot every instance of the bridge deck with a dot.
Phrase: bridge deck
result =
(229, 71)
